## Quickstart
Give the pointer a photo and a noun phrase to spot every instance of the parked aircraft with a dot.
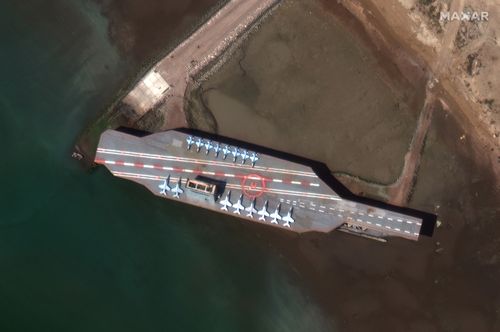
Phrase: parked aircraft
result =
(165, 186)
(226, 201)
(288, 218)
(190, 142)
(276, 215)
(225, 151)
(235, 153)
(217, 149)
(238, 206)
(177, 190)
(244, 156)
(208, 146)
(263, 212)
(253, 158)
(251, 209)
(199, 143)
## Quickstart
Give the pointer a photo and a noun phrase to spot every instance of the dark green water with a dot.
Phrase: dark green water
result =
(85, 251)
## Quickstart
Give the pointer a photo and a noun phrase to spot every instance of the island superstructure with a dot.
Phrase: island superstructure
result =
(234, 180)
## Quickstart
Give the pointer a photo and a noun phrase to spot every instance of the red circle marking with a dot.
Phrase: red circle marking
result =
(249, 185)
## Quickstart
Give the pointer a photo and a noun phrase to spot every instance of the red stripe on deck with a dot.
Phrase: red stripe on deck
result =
(177, 169)
(158, 166)
(219, 174)
(99, 161)
(120, 163)
(139, 165)
(197, 171)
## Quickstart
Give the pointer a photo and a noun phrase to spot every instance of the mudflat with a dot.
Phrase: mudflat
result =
(302, 84)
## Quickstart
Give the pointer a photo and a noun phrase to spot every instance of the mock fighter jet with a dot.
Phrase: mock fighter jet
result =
(190, 142)
(276, 215)
(238, 206)
(226, 201)
(235, 153)
(217, 149)
(165, 186)
(208, 146)
(251, 209)
(199, 143)
(288, 218)
(177, 189)
(253, 158)
(225, 152)
(263, 212)
(244, 156)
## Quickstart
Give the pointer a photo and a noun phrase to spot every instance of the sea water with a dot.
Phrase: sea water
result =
(84, 251)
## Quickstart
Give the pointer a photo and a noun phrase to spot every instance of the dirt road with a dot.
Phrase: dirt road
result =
(186, 60)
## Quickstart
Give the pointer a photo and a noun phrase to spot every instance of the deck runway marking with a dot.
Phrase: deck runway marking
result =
(186, 170)
(232, 186)
(206, 162)
(198, 164)
(273, 190)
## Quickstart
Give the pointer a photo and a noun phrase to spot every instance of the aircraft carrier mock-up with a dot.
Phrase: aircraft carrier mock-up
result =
(256, 186)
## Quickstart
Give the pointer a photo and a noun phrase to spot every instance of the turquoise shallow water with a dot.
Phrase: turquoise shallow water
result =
(83, 251)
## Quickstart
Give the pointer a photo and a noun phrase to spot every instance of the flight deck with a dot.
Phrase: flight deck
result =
(237, 181)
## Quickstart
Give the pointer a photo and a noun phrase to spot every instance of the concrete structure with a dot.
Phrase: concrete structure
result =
(258, 187)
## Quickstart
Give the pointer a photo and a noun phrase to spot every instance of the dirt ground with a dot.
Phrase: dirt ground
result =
(328, 101)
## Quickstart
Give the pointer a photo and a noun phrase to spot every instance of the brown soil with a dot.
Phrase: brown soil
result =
(326, 101)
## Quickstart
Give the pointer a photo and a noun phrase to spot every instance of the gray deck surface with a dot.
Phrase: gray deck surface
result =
(316, 207)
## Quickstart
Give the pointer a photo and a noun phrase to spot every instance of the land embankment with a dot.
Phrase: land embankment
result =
(156, 102)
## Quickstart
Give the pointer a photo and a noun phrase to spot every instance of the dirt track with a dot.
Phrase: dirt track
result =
(192, 55)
